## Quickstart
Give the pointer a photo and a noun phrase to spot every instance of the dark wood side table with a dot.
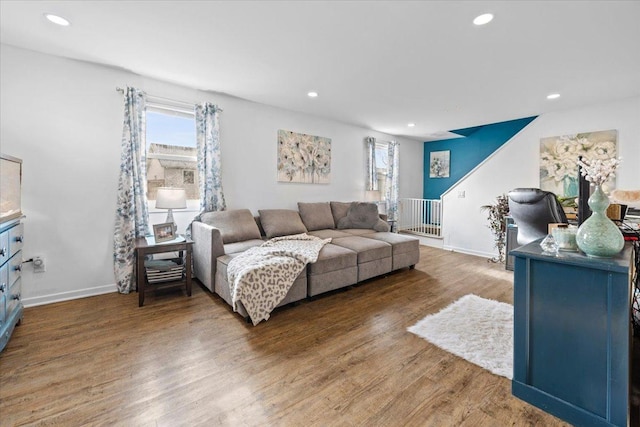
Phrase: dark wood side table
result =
(143, 248)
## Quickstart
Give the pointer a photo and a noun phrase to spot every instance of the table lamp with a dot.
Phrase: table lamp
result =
(171, 198)
(374, 196)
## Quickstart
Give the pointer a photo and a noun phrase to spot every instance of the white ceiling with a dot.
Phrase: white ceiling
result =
(377, 64)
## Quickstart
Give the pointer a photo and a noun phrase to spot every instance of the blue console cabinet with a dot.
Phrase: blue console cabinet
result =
(572, 335)
(11, 308)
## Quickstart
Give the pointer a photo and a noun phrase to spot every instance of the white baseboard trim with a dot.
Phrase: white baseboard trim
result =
(469, 252)
(66, 296)
(431, 242)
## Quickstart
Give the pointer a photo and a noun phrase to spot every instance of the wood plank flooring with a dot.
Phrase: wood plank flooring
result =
(343, 359)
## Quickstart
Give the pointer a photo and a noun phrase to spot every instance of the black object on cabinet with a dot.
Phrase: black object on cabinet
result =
(512, 242)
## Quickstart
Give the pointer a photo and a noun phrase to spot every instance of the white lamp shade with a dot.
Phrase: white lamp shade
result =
(171, 198)
(372, 196)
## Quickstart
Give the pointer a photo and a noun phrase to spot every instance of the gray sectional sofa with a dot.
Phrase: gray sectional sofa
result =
(361, 247)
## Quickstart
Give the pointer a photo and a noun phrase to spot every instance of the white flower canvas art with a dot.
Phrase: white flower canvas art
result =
(303, 158)
(559, 156)
(439, 164)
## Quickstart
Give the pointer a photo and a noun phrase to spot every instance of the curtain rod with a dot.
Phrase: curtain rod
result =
(119, 89)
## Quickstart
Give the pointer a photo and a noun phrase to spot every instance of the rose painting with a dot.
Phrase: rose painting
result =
(303, 158)
(559, 154)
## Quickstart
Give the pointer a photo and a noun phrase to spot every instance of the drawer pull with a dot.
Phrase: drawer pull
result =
(19, 239)
(18, 267)
(3, 287)
(3, 251)
(16, 297)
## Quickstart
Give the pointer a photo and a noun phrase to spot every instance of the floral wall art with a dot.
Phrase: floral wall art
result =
(303, 158)
(559, 154)
(439, 164)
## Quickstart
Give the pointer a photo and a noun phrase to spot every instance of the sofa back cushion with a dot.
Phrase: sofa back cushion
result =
(281, 222)
(363, 215)
(339, 210)
(234, 225)
(316, 216)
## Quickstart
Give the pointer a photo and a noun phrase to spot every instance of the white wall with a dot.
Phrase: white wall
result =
(516, 164)
(64, 119)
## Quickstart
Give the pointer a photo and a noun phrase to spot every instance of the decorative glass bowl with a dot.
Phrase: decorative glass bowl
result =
(565, 238)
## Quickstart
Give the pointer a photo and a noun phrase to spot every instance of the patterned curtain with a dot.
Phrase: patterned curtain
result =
(392, 193)
(132, 216)
(372, 175)
(209, 173)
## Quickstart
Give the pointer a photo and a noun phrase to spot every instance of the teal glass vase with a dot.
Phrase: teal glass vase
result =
(598, 236)
(570, 186)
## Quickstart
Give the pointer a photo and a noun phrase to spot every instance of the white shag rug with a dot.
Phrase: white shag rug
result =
(476, 329)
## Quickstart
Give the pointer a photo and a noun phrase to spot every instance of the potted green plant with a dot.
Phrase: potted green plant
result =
(497, 213)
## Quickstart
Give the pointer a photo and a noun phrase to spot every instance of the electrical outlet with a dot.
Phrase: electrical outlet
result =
(39, 265)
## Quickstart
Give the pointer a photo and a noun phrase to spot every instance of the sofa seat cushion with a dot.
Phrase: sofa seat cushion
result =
(234, 225)
(359, 231)
(400, 244)
(297, 292)
(329, 234)
(224, 260)
(332, 258)
(237, 247)
(281, 222)
(367, 249)
(316, 216)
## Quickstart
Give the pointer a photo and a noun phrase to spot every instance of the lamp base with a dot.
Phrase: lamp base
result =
(170, 219)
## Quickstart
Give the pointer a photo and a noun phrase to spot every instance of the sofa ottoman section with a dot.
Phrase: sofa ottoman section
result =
(335, 268)
(405, 249)
(297, 292)
(374, 256)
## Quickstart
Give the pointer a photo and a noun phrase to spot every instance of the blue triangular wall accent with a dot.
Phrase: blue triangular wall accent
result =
(467, 131)
(467, 152)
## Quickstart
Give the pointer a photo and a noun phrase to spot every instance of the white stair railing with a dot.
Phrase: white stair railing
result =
(420, 216)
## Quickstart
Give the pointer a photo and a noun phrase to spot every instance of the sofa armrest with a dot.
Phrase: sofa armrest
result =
(207, 247)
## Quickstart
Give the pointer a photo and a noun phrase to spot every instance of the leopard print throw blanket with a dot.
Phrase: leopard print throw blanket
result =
(261, 276)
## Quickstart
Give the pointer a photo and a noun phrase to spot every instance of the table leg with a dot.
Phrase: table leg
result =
(188, 272)
(140, 279)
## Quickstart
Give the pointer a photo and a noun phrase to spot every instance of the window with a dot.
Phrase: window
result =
(382, 167)
(171, 149)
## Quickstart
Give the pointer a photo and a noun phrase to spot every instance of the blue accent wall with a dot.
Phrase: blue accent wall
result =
(477, 143)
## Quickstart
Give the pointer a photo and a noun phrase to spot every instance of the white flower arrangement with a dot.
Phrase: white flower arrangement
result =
(598, 171)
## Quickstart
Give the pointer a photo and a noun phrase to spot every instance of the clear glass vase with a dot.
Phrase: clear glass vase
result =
(598, 236)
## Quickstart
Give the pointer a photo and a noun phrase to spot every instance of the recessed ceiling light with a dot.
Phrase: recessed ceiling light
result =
(312, 94)
(483, 19)
(411, 124)
(57, 19)
(553, 96)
